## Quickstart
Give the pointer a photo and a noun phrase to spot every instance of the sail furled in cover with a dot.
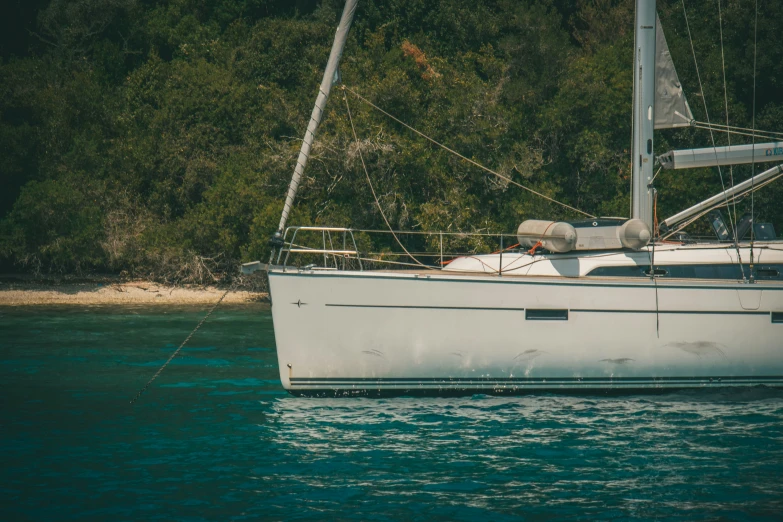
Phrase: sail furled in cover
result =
(671, 107)
(331, 76)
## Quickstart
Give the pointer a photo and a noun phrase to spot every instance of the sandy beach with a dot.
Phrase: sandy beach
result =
(28, 293)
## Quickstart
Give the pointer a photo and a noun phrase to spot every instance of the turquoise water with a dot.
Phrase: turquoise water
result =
(216, 438)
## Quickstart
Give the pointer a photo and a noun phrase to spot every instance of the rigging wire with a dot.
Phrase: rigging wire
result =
(734, 128)
(713, 127)
(720, 205)
(753, 155)
(712, 136)
(472, 162)
(372, 189)
(726, 103)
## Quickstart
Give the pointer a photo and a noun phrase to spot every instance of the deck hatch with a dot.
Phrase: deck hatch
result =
(777, 317)
(547, 315)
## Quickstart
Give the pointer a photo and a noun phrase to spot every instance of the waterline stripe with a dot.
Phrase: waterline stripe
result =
(427, 307)
(536, 380)
(462, 387)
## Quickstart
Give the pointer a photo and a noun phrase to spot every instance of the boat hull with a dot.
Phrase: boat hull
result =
(386, 333)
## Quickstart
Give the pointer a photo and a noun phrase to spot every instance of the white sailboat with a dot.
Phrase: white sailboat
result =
(598, 305)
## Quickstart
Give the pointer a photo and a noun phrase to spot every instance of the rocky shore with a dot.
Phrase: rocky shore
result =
(115, 293)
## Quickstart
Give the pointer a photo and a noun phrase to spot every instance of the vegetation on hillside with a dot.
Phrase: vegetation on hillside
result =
(157, 138)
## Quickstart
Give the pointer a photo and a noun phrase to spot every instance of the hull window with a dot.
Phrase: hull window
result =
(546, 315)
(777, 317)
(711, 271)
(619, 271)
(767, 272)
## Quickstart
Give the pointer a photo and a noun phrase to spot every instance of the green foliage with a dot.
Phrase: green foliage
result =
(56, 225)
(158, 138)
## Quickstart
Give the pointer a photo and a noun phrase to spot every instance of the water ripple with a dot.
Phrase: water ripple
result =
(217, 439)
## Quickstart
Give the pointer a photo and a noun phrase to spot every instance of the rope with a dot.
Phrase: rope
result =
(160, 370)
(540, 241)
(535, 247)
(506, 249)
(656, 175)
(372, 189)
(656, 229)
(452, 151)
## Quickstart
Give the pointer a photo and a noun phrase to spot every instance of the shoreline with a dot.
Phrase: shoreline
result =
(110, 293)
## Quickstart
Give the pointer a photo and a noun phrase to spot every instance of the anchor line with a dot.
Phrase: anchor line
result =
(171, 357)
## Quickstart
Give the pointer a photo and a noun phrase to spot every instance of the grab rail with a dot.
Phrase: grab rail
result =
(326, 232)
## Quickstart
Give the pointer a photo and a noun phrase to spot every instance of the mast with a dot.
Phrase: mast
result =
(643, 111)
(329, 79)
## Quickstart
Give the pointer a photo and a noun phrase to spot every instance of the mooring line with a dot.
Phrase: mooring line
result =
(160, 370)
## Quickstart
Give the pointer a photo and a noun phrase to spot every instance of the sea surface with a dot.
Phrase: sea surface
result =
(216, 438)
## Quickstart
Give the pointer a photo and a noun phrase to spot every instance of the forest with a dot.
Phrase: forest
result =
(156, 139)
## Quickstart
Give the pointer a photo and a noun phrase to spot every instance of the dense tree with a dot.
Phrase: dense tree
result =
(158, 137)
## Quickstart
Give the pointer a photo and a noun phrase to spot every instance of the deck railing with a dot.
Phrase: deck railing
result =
(336, 248)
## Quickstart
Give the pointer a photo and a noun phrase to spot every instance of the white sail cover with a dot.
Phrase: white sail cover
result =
(331, 75)
(671, 107)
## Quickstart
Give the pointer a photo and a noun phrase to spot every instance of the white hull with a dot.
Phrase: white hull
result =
(590, 318)
(405, 333)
